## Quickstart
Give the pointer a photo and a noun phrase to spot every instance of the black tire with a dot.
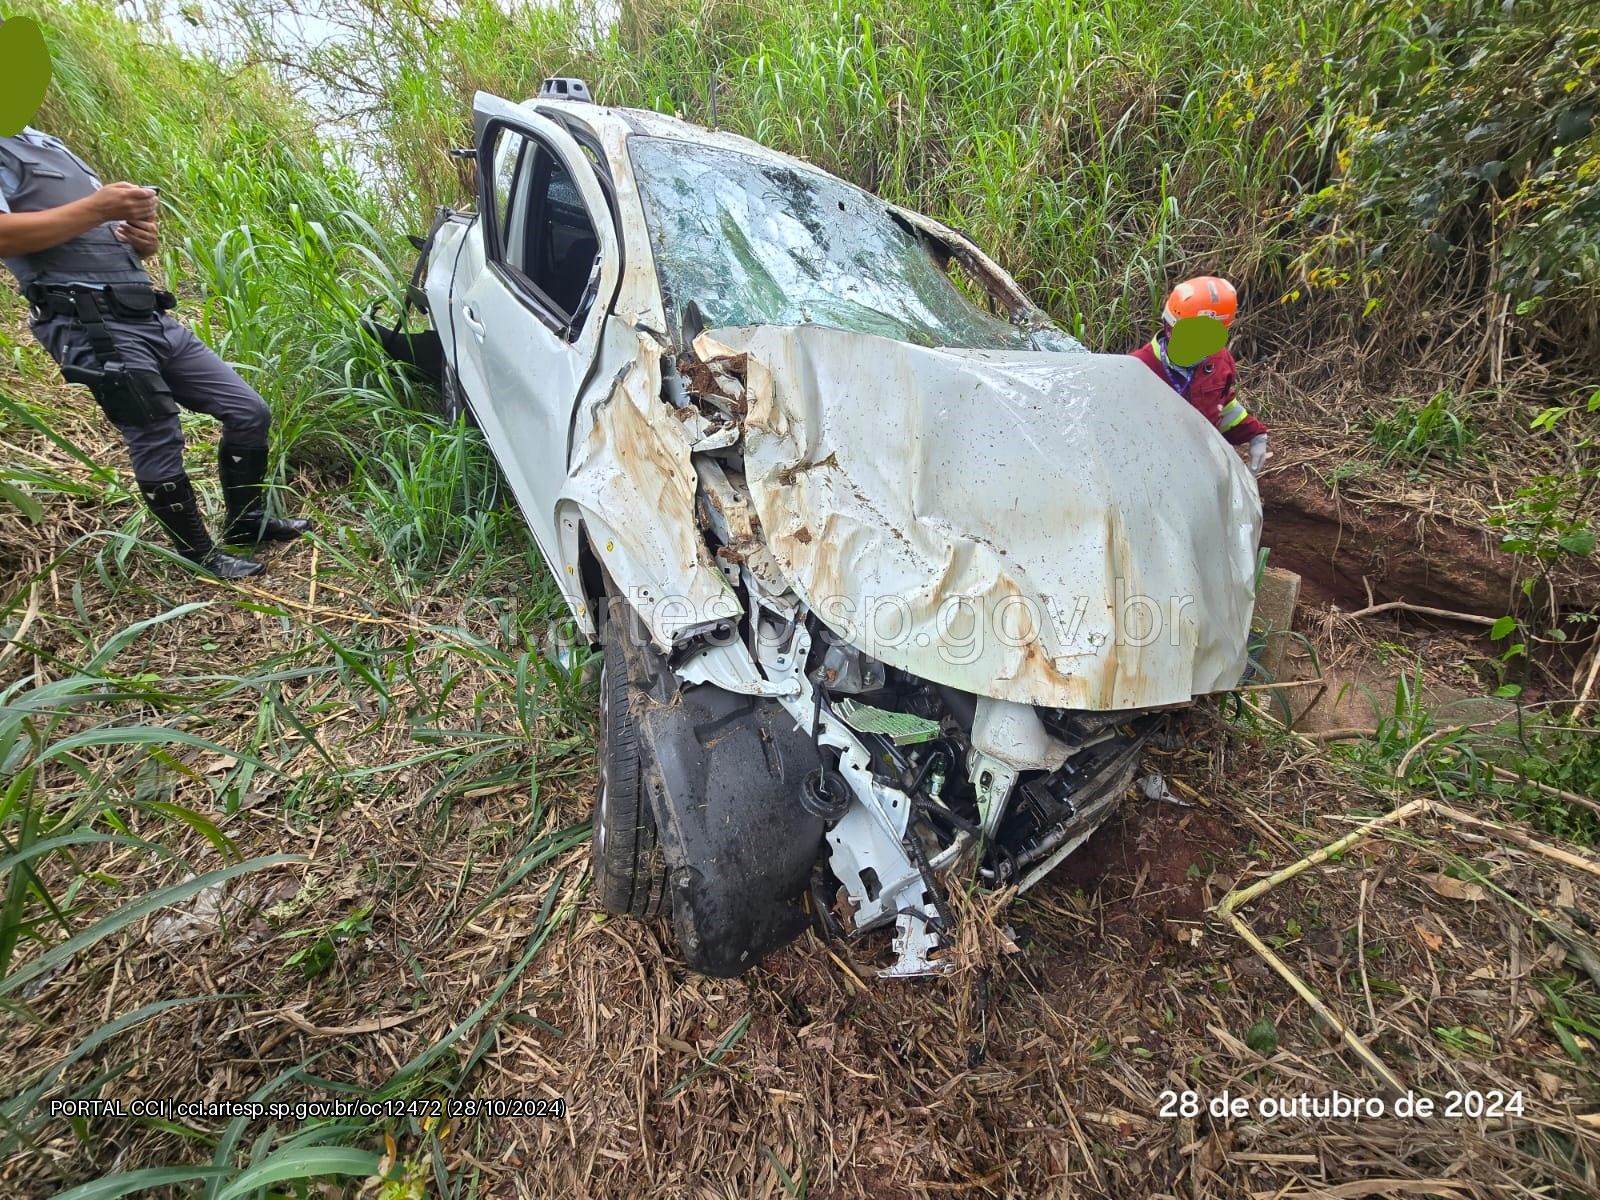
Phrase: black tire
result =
(630, 874)
(452, 400)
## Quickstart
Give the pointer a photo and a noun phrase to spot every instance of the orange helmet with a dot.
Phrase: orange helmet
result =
(1202, 296)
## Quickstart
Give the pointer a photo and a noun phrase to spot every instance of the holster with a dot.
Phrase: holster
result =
(127, 395)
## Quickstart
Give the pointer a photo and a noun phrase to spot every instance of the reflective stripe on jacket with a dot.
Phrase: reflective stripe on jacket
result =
(1210, 391)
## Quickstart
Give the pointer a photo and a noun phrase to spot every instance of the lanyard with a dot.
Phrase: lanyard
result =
(1183, 375)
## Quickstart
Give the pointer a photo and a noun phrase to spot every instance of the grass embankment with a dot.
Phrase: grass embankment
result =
(161, 738)
(1404, 181)
(1407, 200)
(378, 706)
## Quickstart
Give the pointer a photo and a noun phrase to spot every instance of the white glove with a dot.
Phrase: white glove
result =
(1258, 453)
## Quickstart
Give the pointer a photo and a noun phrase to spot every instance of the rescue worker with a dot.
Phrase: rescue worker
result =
(1207, 384)
(75, 247)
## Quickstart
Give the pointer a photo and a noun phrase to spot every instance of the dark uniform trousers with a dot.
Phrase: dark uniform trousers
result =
(199, 379)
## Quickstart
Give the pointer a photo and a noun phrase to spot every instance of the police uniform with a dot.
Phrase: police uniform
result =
(96, 311)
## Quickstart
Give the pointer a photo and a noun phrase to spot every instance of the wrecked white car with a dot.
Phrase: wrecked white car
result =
(892, 579)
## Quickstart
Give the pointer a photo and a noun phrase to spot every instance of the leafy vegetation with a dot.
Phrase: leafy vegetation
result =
(1413, 433)
(1096, 152)
(1372, 154)
(1467, 166)
(136, 739)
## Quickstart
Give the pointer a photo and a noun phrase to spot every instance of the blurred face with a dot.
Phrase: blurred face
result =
(1195, 338)
(24, 72)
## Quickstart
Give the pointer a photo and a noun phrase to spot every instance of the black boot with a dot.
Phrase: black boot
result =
(174, 504)
(242, 470)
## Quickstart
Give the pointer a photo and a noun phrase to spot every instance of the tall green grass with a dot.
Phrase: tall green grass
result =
(1351, 161)
(275, 247)
(1401, 189)
(90, 750)
(1096, 150)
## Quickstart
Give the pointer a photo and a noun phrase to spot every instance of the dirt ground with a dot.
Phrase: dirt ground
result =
(1032, 1073)
(1042, 1073)
(1399, 550)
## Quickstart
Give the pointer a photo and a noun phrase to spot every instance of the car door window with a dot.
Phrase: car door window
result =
(544, 236)
(508, 154)
(562, 254)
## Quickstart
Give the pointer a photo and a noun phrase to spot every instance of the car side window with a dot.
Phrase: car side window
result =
(546, 239)
(509, 150)
(561, 244)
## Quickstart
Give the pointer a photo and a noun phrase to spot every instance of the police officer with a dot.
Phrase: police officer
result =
(75, 247)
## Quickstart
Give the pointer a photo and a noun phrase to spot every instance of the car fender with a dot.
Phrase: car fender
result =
(632, 489)
(439, 282)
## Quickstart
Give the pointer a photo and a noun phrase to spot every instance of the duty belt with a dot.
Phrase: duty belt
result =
(124, 301)
(91, 304)
(135, 396)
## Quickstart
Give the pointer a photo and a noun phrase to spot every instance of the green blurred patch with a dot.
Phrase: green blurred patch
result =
(1194, 339)
(24, 73)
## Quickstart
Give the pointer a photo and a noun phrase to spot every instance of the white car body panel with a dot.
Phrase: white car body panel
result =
(633, 488)
(531, 374)
(1088, 489)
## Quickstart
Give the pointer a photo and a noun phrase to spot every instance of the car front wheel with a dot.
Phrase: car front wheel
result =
(630, 875)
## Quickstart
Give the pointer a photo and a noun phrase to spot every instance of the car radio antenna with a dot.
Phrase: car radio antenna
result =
(711, 91)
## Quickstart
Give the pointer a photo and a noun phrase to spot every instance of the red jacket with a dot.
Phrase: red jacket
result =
(1210, 391)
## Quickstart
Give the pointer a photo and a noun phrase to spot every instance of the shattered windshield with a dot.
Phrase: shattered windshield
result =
(755, 242)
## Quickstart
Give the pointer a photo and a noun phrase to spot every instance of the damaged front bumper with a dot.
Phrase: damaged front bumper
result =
(937, 794)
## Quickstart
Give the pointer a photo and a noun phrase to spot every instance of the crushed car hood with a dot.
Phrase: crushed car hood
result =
(1047, 528)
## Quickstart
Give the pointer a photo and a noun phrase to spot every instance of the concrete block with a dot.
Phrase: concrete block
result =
(1274, 617)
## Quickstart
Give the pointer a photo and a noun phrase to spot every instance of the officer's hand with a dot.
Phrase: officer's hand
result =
(1258, 453)
(125, 202)
(141, 235)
